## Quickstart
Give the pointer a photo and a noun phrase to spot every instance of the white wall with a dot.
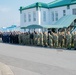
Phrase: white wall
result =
(27, 22)
(72, 7)
(60, 12)
(47, 16)
(39, 15)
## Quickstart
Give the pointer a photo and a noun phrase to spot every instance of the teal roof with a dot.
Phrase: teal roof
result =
(58, 3)
(32, 27)
(38, 4)
(65, 21)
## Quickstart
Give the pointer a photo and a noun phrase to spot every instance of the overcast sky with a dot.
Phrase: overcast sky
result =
(9, 11)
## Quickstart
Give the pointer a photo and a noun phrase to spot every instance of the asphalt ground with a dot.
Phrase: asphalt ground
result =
(31, 60)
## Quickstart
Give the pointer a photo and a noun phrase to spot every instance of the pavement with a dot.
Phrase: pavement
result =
(28, 60)
(5, 70)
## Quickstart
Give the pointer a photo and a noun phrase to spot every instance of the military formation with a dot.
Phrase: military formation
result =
(43, 39)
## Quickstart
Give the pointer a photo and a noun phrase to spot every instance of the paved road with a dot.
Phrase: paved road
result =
(26, 60)
(5, 69)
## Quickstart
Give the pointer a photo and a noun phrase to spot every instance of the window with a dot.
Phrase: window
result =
(52, 16)
(74, 11)
(56, 15)
(29, 17)
(68, 7)
(34, 16)
(44, 15)
(64, 12)
(24, 17)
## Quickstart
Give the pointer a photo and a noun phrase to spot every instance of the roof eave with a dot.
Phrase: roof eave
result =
(34, 7)
(62, 5)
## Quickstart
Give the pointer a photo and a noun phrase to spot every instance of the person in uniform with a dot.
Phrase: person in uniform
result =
(20, 38)
(68, 40)
(35, 38)
(55, 40)
(59, 40)
(32, 38)
(38, 39)
(11, 41)
(25, 38)
(50, 40)
(28, 38)
(74, 40)
(45, 39)
(41, 39)
(63, 40)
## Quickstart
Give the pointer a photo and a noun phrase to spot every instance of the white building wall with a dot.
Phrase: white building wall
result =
(47, 16)
(39, 15)
(72, 7)
(60, 12)
(23, 23)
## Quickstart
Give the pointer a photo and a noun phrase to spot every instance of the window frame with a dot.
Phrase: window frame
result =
(52, 13)
(64, 12)
(56, 15)
(34, 16)
(25, 17)
(74, 11)
(29, 17)
(44, 16)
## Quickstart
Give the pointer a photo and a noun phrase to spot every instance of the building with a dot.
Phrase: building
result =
(10, 28)
(49, 14)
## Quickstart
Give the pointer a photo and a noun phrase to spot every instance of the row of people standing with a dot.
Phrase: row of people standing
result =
(51, 39)
(54, 40)
(10, 37)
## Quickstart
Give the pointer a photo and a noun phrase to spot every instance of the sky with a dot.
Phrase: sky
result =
(9, 11)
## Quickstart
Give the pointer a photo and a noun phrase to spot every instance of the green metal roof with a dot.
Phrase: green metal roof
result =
(37, 4)
(32, 27)
(41, 26)
(65, 21)
(52, 26)
(58, 3)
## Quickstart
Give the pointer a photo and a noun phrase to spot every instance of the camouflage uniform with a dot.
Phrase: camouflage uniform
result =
(60, 40)
(41, 39)
(35, 38)
(72, 42)
(75, 40)
(45, 39)
(68, 40)
(50, 40)
(55, 38)
(32, 38)
(63, 40)
(24, 39)
(38, 39)
(28, 39)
